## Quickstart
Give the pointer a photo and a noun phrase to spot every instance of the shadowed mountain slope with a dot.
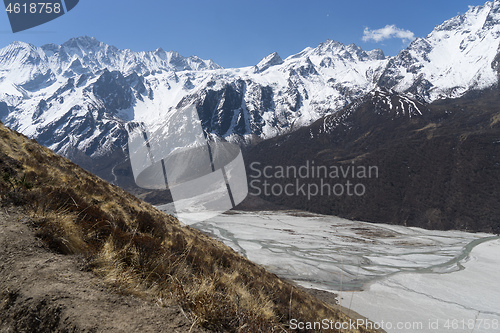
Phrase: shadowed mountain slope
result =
(438, 164)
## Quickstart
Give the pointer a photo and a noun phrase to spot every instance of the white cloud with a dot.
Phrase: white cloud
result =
(389, 31)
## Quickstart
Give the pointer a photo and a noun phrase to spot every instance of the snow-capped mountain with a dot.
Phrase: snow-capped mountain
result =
(459, 55)
(276, 95)
(87, 55)
(80, 94)
(77, 98)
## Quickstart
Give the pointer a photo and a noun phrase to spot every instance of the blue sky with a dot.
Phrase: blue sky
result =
(239, 33)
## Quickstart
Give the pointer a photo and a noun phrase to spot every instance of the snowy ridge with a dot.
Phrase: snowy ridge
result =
(459, 55)
(384, 100)
(84, 91)
(24, 65)
(271, 60)
(379, 101)
(277, 96)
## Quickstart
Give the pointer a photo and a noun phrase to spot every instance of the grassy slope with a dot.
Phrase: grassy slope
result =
(141, 250)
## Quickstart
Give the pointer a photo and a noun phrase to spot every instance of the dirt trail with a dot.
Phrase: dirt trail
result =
(42, 291)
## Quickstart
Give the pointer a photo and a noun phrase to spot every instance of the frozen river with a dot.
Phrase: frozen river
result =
(408, 279)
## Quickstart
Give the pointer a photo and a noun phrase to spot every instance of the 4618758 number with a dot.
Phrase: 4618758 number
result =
(34, 8)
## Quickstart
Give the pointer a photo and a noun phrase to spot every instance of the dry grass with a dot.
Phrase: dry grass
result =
(430, 128)
(142, 251)
(495, 120)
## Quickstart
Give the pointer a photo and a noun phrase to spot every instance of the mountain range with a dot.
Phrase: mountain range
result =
(79, 98)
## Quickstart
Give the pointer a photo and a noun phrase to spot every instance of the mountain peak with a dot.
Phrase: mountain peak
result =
(82, 42)
(330, 46)
(351, 52)
(330, 43)
(96, 55)
(160, 50)
(18, 54)
(376, 54)
(270, 60)
(20, 44)
(457, 56)
(475, 19)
